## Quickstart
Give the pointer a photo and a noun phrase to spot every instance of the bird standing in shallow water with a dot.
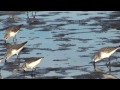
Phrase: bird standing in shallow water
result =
(105, 52)
(14, 50)
(30, 63)
(12, 31)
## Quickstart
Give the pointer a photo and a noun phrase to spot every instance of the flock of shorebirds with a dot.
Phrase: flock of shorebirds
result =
(32, 62)
(15, 49)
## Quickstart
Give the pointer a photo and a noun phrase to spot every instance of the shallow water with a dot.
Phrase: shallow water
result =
(67, 40)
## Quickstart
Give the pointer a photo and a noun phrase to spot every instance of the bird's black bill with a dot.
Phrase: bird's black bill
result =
(5, 42)
(5, 61)
(93, 64)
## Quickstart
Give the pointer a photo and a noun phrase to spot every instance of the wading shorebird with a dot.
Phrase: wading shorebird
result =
(14, 50)
(30, 63)
(105, 52)
(12, 31)
(12, 18)
(32, 20)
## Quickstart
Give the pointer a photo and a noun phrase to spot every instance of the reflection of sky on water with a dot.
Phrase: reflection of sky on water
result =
(85, 38)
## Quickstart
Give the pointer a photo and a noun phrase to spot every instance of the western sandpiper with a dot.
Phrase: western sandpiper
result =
(14, 50)
(30, 63)
(32, 20)
(105, 52)
(12, 31)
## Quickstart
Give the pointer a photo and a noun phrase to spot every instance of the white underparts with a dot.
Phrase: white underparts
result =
(33, 64)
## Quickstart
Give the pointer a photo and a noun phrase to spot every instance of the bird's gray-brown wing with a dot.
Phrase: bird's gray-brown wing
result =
(18, 46)
(30, 60)
(9, 29)
(19, 26)
(108, 49)
(14, 28)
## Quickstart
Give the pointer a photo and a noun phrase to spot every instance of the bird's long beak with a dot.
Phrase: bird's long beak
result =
(93, 64)
(5, 60)
(5, 41)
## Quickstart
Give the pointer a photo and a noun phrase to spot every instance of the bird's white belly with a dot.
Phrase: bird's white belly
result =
(19, 50)
(33, 64)
(107, 55)
(12, 34)
(14, 51)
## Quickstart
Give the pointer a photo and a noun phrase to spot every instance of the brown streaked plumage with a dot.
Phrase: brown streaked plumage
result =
(108, 49)
(12, 31)
(32, 59)
(105, 52)
(15, 46)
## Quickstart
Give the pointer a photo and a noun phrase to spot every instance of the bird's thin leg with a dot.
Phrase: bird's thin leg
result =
(5, 42)
(109, 61)
(0, 76)
(94, 65)
(15, 39)
(18, 58)
(32, 72)
(24, 72)
(5, 61)
(0, 70)
(35, 71)
(108, 65)
(109, 68)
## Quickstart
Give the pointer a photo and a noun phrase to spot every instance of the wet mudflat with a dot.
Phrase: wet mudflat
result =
(67, 40)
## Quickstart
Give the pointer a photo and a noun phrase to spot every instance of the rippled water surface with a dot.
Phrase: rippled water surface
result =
(67, 40)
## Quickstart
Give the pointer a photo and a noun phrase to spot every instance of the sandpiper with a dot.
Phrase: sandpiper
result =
(12, 31)
(13, 18)
(30, 63)
(32, 20)
(14, 50)
(105, 52)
